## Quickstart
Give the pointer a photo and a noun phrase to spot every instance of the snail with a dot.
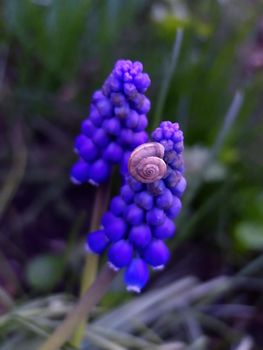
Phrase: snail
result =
(146, 162)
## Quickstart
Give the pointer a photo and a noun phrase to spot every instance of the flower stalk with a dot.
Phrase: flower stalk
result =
(91, 263)
(81, 310)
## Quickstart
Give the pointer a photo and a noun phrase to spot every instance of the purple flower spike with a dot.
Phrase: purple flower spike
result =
(116, 123)
(141, 218)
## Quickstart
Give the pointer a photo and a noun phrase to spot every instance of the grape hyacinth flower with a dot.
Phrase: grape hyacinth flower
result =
(115, 125)
(141, 217)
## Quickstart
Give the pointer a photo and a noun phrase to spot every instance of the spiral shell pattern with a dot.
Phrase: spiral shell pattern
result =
(146, 162)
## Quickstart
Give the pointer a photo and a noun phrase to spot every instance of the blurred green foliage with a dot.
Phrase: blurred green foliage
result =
(48, 32)
(54, 37)
(45, 271)
(249, 231)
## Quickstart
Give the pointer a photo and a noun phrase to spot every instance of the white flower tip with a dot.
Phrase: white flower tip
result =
(87, 248)
(113, 267)
(75, 181)
(134, 289)
(158, 268)
(93, 183)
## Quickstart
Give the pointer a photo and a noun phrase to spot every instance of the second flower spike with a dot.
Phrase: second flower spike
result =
(141, 217)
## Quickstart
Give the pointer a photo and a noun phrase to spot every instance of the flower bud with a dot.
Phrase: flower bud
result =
(140, 235)
(136, 275)
(155, 217)
(165, 230)
(80, 172)
(156, 254)
(97, 241)
(120, 254)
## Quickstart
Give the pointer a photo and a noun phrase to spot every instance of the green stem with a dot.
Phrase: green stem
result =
(81, 310)
(228, 121)
(91, 264)
(89, 275)
(168, 75)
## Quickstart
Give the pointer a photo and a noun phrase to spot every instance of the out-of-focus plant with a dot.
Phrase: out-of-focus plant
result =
(248, 231)
(49, 34)
(55, 36)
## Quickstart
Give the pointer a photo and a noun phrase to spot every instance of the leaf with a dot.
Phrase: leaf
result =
(45, 271)
(249, 235)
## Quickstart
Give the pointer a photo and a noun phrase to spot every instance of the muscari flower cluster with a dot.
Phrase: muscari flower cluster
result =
(115, 125)
(141, 217)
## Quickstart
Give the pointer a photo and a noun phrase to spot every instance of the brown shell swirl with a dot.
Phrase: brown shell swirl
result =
(146, 162)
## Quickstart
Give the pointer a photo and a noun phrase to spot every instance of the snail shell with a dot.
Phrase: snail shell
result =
(146, 162)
